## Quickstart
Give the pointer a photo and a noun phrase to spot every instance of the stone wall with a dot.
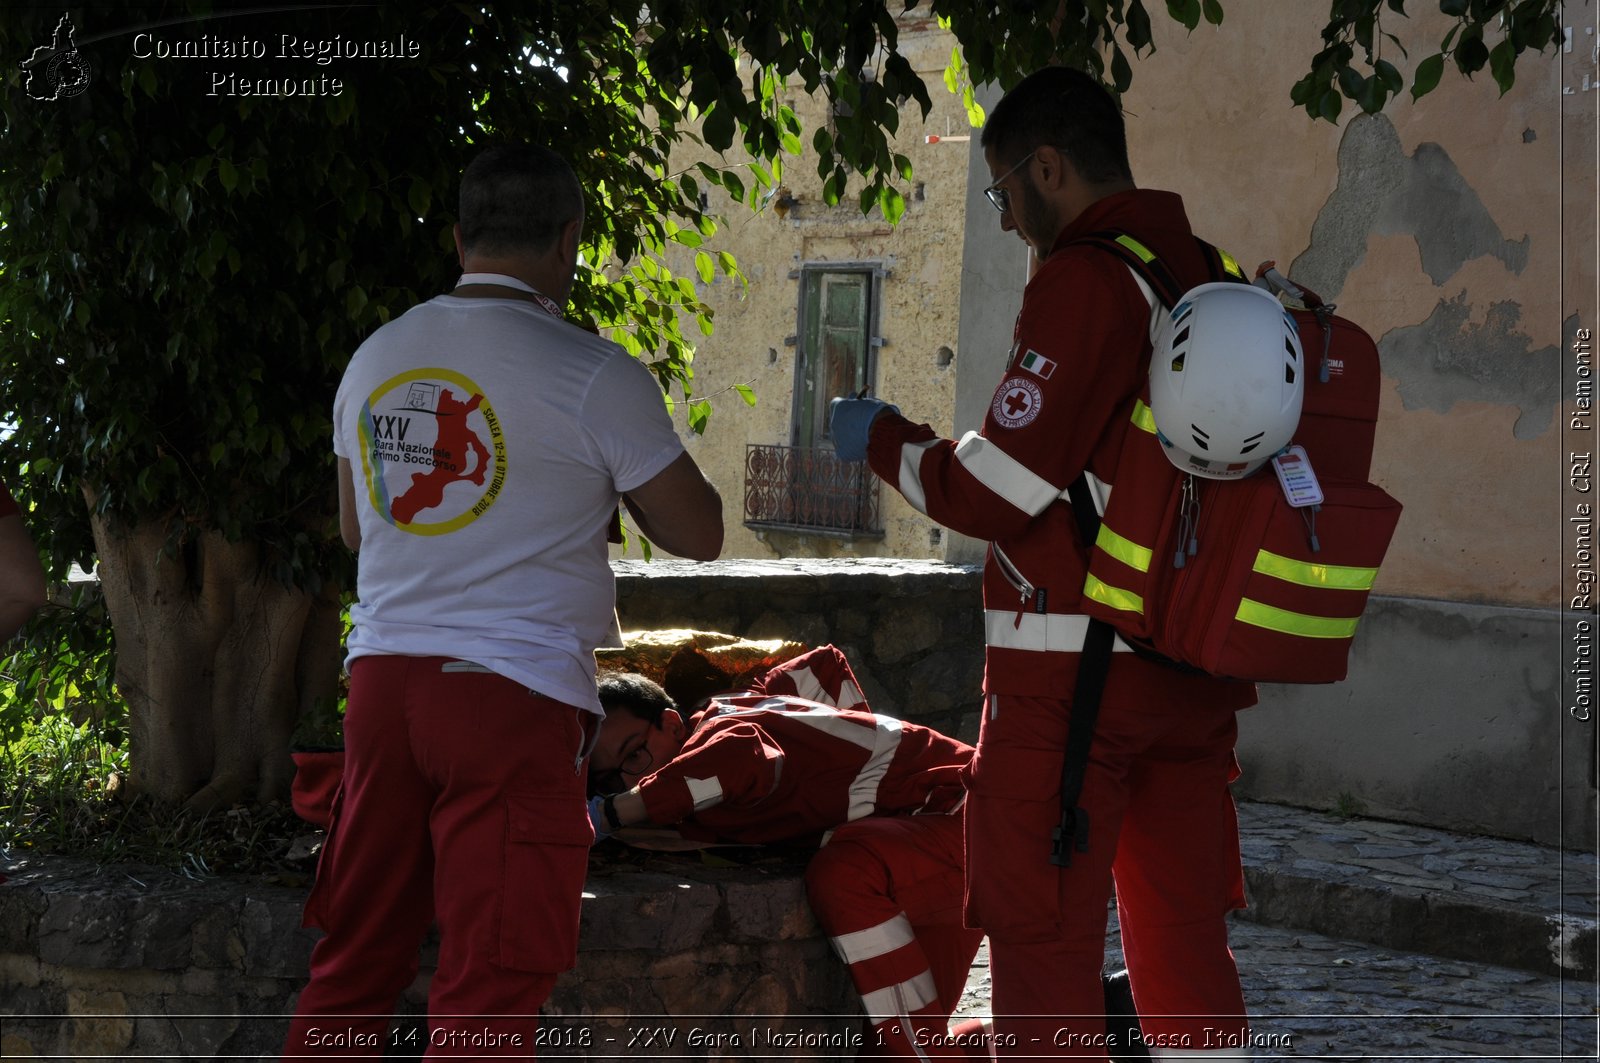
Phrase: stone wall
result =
(1449, 717)
(913, 630)
(116, 962)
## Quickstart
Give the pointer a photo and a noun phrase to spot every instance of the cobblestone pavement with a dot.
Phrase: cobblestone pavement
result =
(1312, 997)
(1435, 946)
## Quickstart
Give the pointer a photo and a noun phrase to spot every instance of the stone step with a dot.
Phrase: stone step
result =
(1421, 890)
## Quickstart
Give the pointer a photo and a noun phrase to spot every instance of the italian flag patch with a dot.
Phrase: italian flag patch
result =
(1037, 364)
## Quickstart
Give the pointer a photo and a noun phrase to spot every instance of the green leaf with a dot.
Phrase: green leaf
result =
(1502, 64)
(699, 414)
(717, 127)
(1428, 73)
(1121, 72)
(1372, 95)
(747, 393)
(1138, 26)
(420, 197)
(1471, 54)
(1350, 82)
(227, 174)
(704, 266)
(892, 203)
(1330, 106)
(1186, 12)
(1213, 12)
(831, 189)
(1389, 75)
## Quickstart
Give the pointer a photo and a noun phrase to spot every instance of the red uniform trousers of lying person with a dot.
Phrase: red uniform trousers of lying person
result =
(886, 798)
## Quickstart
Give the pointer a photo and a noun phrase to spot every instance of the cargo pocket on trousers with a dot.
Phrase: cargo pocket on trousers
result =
(545, 863)
(1013, 890)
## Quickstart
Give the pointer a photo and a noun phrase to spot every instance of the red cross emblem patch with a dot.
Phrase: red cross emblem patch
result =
(1016, 403)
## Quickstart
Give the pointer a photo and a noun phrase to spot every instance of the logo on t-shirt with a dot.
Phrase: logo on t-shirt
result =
(432, 451)
(1016, 403)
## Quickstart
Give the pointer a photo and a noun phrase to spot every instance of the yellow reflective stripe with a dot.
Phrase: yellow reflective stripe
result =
(1142, 418)
(1230, 264)
(1127, 551)
(1282, 620)
(1115, 597)
(1144, 253)
(1334, 577)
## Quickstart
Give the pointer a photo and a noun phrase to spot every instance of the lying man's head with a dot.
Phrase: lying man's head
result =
(642, 731)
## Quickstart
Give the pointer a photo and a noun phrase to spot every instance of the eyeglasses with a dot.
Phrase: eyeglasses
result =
(999, 196)
(635, 764)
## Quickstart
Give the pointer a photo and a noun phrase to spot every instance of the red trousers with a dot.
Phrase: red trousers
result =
(462, 802)
(888, 892)
(1161, 821)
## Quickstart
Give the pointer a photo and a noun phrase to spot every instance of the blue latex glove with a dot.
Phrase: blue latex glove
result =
(850, 425)
(597, 817)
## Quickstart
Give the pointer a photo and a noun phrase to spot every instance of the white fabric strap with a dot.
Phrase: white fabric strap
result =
(875, 941)
(1156, 309)
(1005, 475)
(900, 1000)
(1040, 632)
(547, 304)
(911, 474)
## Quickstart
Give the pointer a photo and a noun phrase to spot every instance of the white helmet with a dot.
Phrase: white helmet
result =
(1226, 380)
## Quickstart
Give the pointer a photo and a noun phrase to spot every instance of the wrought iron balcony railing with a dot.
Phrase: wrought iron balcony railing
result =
(809, 489)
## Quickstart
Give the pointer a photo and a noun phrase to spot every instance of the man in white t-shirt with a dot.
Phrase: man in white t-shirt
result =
(483, 446)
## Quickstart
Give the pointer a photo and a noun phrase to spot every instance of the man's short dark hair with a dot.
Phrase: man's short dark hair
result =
(1065, 109)
(516, 199)
(635, 695)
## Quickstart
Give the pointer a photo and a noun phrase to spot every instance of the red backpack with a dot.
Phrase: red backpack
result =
(1228, 576)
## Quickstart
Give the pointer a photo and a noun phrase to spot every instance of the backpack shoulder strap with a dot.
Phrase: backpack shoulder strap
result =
(1141, 260)
(1163, 285)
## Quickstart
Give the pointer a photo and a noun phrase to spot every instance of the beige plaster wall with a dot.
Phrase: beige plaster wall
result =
(918, 317)
(1458, 230)
(1441, 226)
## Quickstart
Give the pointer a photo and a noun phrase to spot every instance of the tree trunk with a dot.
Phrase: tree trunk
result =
(216, 660)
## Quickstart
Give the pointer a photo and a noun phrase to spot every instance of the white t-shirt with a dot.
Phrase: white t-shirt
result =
(489, 443)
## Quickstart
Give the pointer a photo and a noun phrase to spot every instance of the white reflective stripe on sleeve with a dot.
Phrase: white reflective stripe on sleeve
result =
(911, 474)
(1005, 475)
(864, 788)
(874, 941)
(1040, 632)
(704, 792)
(900, 1000)
(806, 686)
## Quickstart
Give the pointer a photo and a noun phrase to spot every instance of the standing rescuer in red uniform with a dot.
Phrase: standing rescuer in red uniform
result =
(484, 443)
(1162, 821)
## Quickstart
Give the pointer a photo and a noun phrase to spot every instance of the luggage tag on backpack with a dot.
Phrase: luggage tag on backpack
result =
(1297, 478)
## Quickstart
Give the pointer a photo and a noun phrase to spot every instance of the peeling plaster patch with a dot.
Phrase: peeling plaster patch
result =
(1446, 360)
(1383, 191)
(1529, 136)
